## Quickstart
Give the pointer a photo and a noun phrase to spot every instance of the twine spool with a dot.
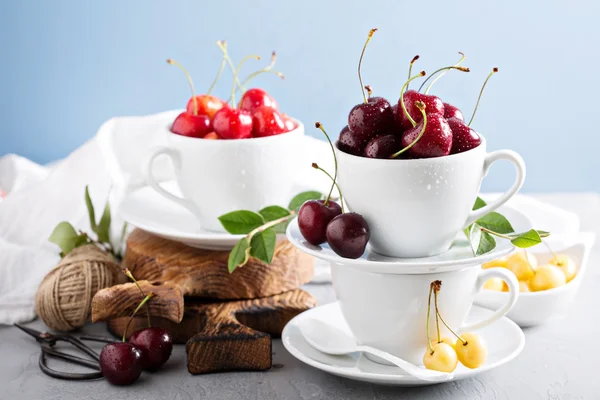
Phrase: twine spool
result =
(64, 298)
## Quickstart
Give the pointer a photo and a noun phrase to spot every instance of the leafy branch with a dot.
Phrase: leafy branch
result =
(261, 229)
(68, 238)
(481, 232)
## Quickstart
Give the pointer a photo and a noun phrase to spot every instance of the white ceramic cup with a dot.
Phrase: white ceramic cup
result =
(415, 208)
(389, 311)
(219, 176)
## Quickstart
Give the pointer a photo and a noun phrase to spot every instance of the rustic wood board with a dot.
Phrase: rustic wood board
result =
(203, 273)
(227, 335)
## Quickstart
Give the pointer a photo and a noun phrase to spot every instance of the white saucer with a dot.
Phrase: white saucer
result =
(146, 209)
(505, 340)
(459, 256)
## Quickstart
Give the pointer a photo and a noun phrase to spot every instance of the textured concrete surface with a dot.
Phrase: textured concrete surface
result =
(559, 361)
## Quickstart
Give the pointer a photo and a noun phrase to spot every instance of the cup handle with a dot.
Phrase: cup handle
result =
(151, 180)
(513, 286)
(519, 164)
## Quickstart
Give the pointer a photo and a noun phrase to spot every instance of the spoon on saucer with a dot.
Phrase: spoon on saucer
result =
(330, 340)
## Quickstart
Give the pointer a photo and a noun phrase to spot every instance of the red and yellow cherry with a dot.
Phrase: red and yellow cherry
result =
(463, 136)
(348, 235)
(206, 104)
(195, 126)
(231, 123)
(267, 121)
(255, 98)
(313, 218)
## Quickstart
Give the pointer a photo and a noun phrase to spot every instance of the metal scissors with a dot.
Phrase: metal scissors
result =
(48, 341)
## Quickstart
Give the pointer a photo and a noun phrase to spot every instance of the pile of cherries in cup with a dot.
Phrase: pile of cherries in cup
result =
(209, 117)
(418, 125)
(147, 349)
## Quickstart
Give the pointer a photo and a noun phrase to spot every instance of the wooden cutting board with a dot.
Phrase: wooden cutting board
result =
(227, 335)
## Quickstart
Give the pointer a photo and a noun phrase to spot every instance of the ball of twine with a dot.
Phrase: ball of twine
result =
(64, 298)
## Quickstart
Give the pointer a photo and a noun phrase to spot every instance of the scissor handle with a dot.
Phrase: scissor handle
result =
(48, 350)
(80, 345)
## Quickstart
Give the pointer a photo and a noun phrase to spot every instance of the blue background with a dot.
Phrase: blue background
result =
(67, 66)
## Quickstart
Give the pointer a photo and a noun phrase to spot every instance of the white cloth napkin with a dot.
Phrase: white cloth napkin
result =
(35, 198)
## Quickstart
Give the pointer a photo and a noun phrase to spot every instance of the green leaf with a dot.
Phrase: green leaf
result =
(272, 213)
(481, 242)
(262, 245)
(543, 234)
(303, 197)
(479, 203)
(495, 222)
(527, 239)
(90, 208)
(239, 255)
(67, 238)
(104, 225)
(241, 222)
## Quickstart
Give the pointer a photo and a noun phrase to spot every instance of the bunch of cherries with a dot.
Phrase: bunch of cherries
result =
(209, 117)
(377, 129)
(147, 349)
(323, 221)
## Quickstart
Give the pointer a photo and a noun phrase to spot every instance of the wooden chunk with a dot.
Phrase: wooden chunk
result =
(203, 273)
(231, 335)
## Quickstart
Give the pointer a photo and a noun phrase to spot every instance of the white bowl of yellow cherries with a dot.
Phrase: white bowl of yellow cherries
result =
(549, 277)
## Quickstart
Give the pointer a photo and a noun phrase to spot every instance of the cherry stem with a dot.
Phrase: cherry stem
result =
(404, 87)
(371, 33)
(144, 301)
(214, 83)
(316, 166)
(551, 251)
(437, 317)
(270, 224)
(494, 70)
(369, 90)
(435, 286)
(320, 126)
(462, 58)
(127, 272)
(428, 317)
(415, 58)
(268, 69)
(190, 82)
(421, 106)
(223, 46)
(236, 73)
(458, 67)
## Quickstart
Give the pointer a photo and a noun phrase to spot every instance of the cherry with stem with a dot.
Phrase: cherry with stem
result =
(128, 273)
(223, 46)
(421, 106)
(144, 301)
(494, 70)
(320, 126)
(436, 286)
(316, 166)
(402, 90)
(442, 73)
(457, 67)
(190, 82)
(362, 88)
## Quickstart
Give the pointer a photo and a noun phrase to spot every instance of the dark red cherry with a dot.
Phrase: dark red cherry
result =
(255, 98)
(350, 143)
(463, 137)
(373, 118)
(348, 235)
(313, 218)
(433, 104)
(121, 363)
(383, 146)
(231, 123)
(196, 126)
(436, 140)
(451, 111)
(267, 121)
(156, 345)
(207, 105)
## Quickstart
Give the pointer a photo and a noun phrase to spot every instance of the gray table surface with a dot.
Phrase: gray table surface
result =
(560, 360)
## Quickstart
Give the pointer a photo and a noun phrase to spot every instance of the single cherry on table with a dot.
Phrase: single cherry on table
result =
(156, 345)
(121, 363)
(348, 235)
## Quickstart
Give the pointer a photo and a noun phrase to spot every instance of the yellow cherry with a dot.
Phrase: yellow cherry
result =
(566, 264)
(496, 284)
(547, 277)
(448, 341)
(443, 358)
(471, 350)
(524, 287)
(498, 262)
(522, 264)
